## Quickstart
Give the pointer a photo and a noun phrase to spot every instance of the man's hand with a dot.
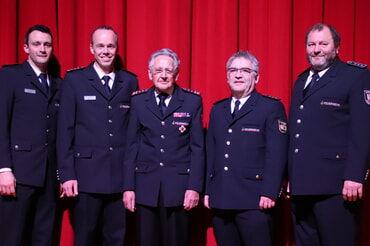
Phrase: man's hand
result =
(191, 199)
(266, 202)
(129, 200)
(70, 188)
(352, 191)
(7, 184)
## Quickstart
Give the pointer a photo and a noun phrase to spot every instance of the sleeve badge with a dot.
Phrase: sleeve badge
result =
(367, 96)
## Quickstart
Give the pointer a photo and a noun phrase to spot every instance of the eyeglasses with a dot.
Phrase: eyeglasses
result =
(169, 71)
(242, 70)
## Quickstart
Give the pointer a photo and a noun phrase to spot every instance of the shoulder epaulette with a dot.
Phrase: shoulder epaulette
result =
(75, 69)
(271, 97)
(356, 64)
(139, 92)
(129, 72)
(191, 91)
(10, 65)
(221, 100)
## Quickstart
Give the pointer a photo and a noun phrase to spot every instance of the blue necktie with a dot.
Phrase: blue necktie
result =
(162, 105)
(236, 109)
(314, 79)
(106, 79)
(44, 82)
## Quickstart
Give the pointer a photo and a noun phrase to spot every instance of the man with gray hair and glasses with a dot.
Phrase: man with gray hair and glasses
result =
(246, 156)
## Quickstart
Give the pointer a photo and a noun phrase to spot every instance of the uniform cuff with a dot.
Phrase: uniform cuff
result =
(5, 169)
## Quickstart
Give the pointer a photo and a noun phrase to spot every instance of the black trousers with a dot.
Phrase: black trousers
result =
(243, 227)
(29, 217)
(162, 226)
(99, 211)
(325, 220)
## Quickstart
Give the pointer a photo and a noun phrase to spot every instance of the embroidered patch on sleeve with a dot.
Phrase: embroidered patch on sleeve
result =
(367, 96)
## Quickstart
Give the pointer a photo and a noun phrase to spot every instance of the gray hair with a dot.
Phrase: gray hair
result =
(246, 55)
(165, 52)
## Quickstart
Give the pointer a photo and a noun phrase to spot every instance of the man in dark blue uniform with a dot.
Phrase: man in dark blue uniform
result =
(329, 143)
(29, 102)
(164, 165)
(92, 132)
(247, 145)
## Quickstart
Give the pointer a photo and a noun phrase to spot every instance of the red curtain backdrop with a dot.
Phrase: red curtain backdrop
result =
(204, 33)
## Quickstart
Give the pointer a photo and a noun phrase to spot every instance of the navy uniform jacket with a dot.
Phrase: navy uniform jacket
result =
(92, 130)
(166, 153)
(28, 118)
(329, 131)
(246, 156)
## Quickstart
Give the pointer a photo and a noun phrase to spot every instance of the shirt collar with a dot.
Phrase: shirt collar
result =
(321, 73)
(242, 100)
(100, 73)
(35, 69)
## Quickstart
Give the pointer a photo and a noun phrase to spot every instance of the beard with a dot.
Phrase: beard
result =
(323, 62)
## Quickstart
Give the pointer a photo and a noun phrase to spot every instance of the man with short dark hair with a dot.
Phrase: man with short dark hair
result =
(329, 143)
(29, 102)
(92, 130)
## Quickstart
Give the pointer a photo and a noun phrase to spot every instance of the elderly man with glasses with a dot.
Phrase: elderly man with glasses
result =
(164, 165)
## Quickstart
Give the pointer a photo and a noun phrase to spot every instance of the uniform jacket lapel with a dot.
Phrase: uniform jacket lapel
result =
(151, 103)
(175, 102)
(94, 80)
(52, 87)
(245, 109)
(327, 78)
(248, 106)
(117, 85)
(30, 74)
(227, 111)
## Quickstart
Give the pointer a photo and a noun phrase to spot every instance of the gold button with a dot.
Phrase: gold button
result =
(257, 176)
(226, 168)
(230, 130)
(301, 107)
(337, 156)
(161, 164)
(297, 135)
(226, 155)
(299, 121)
(227, 142)
(296, 150)
(16, 146)
(163, 123)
